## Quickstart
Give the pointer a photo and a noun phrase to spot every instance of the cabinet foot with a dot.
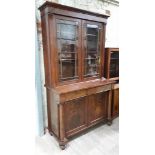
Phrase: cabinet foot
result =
(109, 122)
(62, 147)
(51, 133)
(63, 144)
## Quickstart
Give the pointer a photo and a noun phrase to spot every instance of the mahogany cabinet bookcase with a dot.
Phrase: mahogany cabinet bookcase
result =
(78, 96)
(112, 73)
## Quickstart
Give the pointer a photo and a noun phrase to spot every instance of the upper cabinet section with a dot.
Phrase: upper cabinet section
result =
(73, 43)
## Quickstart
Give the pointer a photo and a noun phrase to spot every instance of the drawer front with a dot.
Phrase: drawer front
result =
(73, 95)
(99, 89)
(82, 93)
(75, 115)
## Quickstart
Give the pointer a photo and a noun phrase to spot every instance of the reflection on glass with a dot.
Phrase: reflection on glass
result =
(92, 50)
(67, 42)
(114, 64)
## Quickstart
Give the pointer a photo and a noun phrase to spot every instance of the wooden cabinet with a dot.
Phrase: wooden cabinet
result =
(78, 96)
(112, 63)
(112, 73)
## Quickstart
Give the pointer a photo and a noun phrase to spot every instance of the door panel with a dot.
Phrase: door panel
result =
(68, 34)
(75, 114)
(97, 107)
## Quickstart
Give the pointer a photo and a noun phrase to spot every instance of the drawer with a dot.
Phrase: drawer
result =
(81, 93)
(99, 89)
(73, 95)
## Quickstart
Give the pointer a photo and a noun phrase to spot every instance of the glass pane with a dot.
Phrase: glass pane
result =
(91, 67)
(92, 50)
(67, 41)
(67, 69)
(114, 64)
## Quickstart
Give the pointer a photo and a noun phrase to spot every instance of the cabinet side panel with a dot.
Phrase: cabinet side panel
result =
(46, 51)
(54, 112)
(115, 104)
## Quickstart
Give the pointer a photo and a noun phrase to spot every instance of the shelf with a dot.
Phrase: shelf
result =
(114, 79)
(66, 33)
(91, 65)
(66, 59)
(114, 59)
(91, 51)
(91, 74)
(68, 78)
(91, 58)
(68, 39)
(67, 24)
(66, 52)
(93, 35)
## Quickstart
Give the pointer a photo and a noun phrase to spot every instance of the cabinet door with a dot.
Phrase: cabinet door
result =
(97, 107)
(68, 48)
(75, 115)
(92, 41)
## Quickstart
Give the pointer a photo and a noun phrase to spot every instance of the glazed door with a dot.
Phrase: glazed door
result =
(92, 47)
(68, 31)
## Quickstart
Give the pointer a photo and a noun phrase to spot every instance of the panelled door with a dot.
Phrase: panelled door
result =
(97, 107)
(75, 114)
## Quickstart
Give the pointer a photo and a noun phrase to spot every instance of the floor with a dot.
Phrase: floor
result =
(102, 140)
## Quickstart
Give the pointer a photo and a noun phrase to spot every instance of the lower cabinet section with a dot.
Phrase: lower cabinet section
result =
(70, 113)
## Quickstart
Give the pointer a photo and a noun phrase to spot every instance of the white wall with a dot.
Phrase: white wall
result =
(101, 7)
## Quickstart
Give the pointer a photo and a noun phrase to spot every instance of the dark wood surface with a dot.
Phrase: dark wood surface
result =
(77, 104)
(115, 101)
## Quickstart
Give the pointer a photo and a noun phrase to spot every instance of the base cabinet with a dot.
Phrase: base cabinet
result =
(84, 112)
(78, 110)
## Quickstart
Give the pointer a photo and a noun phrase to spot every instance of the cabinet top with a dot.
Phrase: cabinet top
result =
(53, 6)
